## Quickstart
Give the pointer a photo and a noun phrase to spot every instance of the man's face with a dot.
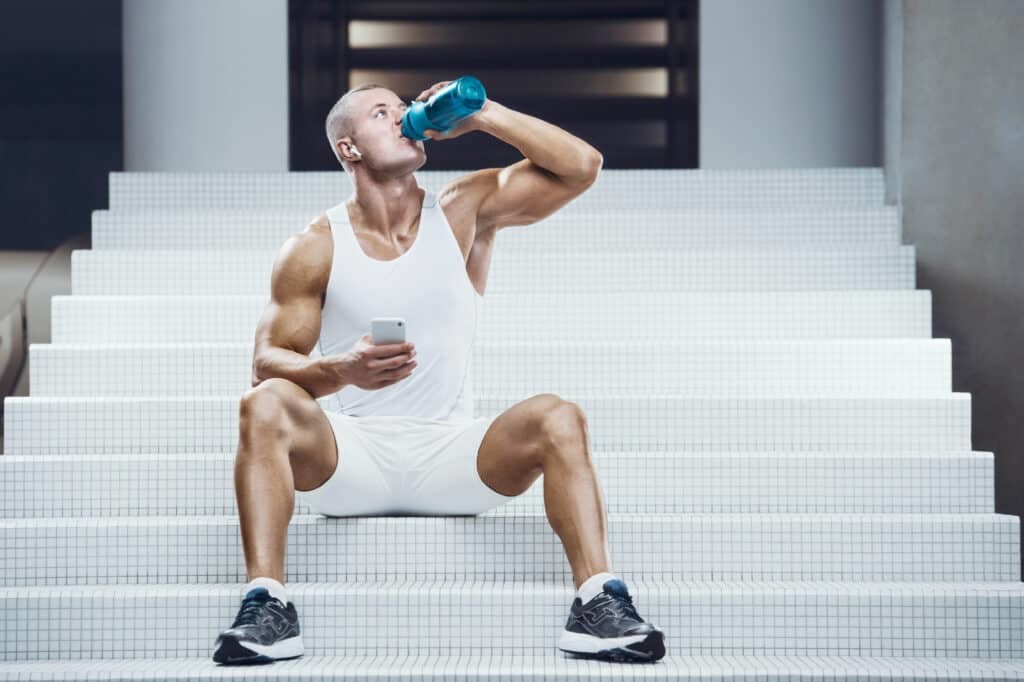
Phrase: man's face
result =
(378, 134)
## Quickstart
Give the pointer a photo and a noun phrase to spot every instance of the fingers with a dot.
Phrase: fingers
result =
(392, 372)
(396, 374)
(388, 349)
(390, 363)
(426, 94)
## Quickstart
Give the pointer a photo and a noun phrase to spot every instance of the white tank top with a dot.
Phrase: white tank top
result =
(429, 287)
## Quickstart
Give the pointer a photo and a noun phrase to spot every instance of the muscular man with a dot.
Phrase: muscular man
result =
(403, 438)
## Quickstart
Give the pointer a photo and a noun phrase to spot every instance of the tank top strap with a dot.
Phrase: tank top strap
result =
(438, 238)
(338, 214)
(344, 239)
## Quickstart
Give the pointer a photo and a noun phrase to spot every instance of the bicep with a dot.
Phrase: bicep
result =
(292, 324)
(523, 193)
(291, 319)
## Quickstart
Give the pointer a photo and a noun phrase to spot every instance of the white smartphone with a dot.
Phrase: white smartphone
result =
(385, 330)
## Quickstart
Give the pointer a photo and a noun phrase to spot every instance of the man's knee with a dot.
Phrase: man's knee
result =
(265, 408)
(563, 426)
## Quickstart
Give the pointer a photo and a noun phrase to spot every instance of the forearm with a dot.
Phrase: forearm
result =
(314, 375)
(550, 147)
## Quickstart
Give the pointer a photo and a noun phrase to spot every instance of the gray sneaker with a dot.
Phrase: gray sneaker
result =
(608, 627)
(264, 630)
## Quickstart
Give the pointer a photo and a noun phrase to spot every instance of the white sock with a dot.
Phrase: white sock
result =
(275, 588)
(593, 586)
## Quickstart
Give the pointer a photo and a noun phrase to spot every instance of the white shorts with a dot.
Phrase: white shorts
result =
(398, 465)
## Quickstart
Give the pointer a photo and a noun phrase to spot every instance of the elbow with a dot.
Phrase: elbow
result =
(592, 167)
(256, 378)
(587, 172)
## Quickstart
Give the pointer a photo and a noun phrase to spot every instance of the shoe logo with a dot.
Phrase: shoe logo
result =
(277, 623)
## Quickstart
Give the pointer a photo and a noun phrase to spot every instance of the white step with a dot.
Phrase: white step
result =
(469, 665)
(314, 191)
(241, 272)
(611, 229)
(848, 368)
(559, 316)
(506, 545)
(644, 482)
(656, 422)
(699, 618)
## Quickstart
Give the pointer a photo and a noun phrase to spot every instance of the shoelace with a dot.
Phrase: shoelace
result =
(625, 602)
(250, 609)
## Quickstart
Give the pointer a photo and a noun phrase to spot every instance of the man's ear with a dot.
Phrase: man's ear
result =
(346, 147)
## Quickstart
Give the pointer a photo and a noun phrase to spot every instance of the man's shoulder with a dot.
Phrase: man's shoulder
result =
(469, 188)
(461, 197)
(314, 235)
(309, 252)
(320, 223)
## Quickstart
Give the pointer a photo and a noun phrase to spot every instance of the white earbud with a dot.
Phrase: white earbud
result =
(355, 151)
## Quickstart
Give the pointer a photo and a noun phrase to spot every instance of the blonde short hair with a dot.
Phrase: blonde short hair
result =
(339, 119)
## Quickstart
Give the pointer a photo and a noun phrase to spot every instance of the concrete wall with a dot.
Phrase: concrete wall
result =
(892, 99)
(206, 85)
(789, 83)
(961, 166)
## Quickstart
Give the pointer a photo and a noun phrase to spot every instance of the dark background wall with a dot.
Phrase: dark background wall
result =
(60, 116)
(956, 144)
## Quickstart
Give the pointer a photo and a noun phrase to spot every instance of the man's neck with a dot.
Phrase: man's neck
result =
(389, 209)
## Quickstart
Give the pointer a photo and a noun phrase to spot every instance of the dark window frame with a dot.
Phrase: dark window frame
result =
(319, 60)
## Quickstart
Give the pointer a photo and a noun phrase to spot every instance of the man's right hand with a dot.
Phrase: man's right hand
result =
(372, 367)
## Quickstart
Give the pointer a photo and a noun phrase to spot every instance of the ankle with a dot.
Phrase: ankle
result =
(593, 585)
(274, 587)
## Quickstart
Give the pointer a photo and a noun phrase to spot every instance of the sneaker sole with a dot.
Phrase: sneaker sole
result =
(230, 651)
(640, 648)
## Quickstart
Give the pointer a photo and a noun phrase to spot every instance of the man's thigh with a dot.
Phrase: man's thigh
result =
(313, 449)
(510, 456)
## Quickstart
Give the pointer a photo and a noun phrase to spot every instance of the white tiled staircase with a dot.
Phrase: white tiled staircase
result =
(789, 478)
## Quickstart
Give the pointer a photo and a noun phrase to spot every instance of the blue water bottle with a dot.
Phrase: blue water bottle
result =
(444, 109)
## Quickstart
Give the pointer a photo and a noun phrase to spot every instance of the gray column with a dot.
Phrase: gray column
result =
(961, 166)
(205, 85)
(789, 83)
